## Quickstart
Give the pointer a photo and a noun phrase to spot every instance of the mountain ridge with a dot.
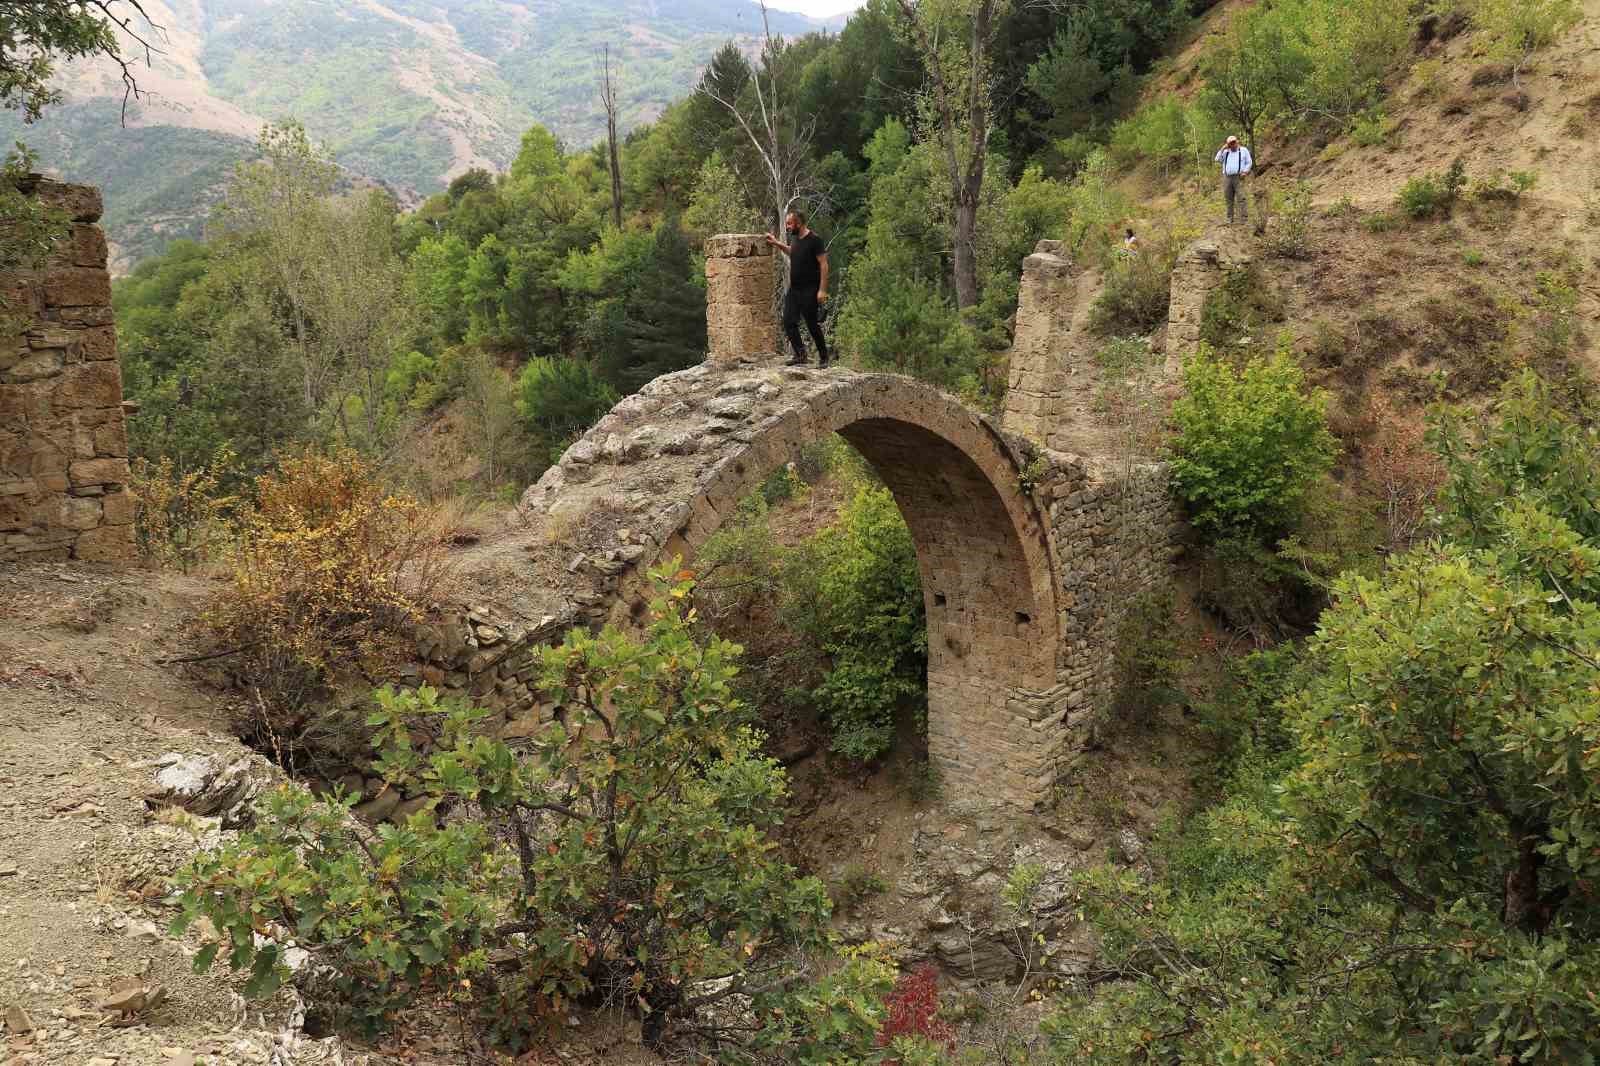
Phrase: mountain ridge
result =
(409, 93)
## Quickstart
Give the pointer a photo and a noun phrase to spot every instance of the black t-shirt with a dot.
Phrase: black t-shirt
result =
(805, 270)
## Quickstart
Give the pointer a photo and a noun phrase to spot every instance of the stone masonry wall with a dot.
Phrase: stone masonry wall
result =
(1116, 529)
(63, 436)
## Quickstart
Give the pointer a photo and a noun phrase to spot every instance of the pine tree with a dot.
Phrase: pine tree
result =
(663, 325)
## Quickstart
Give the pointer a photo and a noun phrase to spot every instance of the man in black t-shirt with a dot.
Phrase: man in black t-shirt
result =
(808, 286)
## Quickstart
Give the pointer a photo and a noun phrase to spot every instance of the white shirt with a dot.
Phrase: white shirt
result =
(1235, 160)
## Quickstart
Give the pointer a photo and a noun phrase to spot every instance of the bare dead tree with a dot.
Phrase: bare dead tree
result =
(608, 100)
(781, 140)
(961, 106)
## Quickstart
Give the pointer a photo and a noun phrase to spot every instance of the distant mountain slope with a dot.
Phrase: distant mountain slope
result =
(409, 92)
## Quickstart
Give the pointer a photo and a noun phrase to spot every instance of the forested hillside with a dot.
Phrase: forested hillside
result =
(409, 94)
(1344, 804)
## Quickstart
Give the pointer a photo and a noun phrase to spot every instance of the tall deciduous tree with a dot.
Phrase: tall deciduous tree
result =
(271, 209)
(959, 94)
(1241, 74)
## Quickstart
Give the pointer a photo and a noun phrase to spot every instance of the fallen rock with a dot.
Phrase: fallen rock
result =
(732, 408)
(129, 996)
(376, 810)
(207, 786)
(17, 1020)
(144, 932)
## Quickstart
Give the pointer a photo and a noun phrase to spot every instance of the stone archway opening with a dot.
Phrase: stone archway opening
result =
(990, 632)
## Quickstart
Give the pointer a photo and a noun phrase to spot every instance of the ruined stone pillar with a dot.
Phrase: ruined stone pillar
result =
(1039, 354)
(63, 437)
(1197, 274)
(740, 323)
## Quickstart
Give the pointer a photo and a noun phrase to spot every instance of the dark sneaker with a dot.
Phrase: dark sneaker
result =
(797, 361)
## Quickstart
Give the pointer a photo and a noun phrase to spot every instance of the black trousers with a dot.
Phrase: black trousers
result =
(802, 304)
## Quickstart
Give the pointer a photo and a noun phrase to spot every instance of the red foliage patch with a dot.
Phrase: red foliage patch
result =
(913, 1010)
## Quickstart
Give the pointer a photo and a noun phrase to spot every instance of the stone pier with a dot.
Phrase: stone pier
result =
(63, 436)
(740, 289)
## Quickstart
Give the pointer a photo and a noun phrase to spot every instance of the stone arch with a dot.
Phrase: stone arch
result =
(674, 460)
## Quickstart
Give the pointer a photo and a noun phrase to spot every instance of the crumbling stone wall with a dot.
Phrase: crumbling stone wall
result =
(1040, 349)
(63, 436)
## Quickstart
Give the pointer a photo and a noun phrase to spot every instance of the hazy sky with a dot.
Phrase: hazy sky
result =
(819, 8)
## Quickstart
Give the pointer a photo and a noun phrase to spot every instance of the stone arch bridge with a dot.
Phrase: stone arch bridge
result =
(1029, 555)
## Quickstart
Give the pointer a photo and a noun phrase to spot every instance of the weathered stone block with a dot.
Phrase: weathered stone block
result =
(86, 247)
(88, 385)
(39, 365)
(99, 472)
(97, 343)
(111, 440)
(74, 512)
(76, 287)
(82, 203)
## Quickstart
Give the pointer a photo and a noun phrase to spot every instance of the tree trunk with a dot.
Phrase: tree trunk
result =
(966, 251)
(1522, 909)
(616, 172)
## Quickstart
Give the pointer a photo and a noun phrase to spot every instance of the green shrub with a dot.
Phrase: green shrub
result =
(1382, 222)
(1369, 130)
(1250, 443)
(854, 589)
(1243, 306)
(1146, 660)
(1289, 235)
(1433, 195)
(1137, 293)
(1518, 28)
(627, 864)
(559, 398)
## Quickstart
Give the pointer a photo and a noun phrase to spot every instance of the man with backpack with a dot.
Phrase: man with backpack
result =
(1236, 163)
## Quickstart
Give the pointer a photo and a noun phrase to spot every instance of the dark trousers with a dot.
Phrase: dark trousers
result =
(802, 304)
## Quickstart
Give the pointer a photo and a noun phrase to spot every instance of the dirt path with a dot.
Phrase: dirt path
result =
(85, 713)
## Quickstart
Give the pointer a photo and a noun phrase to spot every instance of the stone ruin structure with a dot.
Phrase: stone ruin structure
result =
(63, 436)
(1030, 553)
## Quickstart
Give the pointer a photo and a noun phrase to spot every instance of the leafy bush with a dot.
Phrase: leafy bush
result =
(1433, 195)
(631, 864)
(913, 1013)
(1518, 28)
(182, 519)
(330, 571)
(1241, 308)
(1137, 293)
(1289, 236)
(1412, 877)
(1369, 130)
(559, 398)
(855, 590)
(1146, 660)
(1250, 443)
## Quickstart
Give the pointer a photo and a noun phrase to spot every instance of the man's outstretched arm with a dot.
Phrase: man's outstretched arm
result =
(779, 245)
